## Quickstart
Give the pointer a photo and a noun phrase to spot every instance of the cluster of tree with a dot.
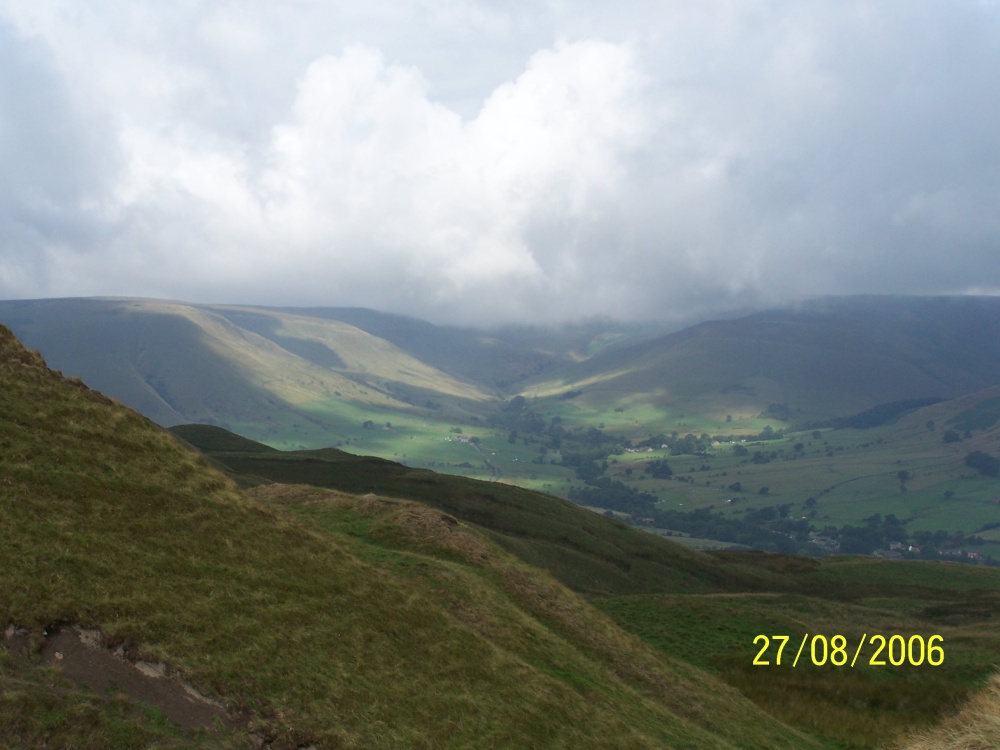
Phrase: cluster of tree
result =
(659, 469)
(874, 417)
(711, 525)
(786, 535)
(678, 445)
(577, 446)
(612, 494)
(877, 533)
(984, 463)
(889, 532)
(769, 433)
(778, 411)
(933, 543)
(700, 445)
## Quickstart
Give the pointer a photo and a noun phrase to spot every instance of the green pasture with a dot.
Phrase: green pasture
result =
(852, 474)
(637, 416)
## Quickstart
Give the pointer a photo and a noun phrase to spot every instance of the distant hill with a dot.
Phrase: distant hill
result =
(297, 617)
(828, 358)
(182, 363)
(404, 389)
(478, 356)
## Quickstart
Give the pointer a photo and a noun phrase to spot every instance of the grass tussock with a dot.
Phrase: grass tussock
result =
(975, 727)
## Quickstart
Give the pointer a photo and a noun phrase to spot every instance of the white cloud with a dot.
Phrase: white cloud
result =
(474, 159)
(370, 172)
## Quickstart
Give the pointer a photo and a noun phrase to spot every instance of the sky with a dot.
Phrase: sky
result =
(500, 161)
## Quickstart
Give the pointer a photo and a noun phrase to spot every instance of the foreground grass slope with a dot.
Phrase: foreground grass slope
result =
(856, 597)
(314, 618)
(706, 608)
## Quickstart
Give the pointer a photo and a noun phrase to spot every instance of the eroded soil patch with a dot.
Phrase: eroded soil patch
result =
(80, 655)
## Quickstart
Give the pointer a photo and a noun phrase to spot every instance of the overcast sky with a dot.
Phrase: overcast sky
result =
(494, 161)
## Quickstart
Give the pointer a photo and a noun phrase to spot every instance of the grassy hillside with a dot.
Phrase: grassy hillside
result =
(311, 617)
(585, 551)
(313, 376)
(864, 705)
(477, 356)
(431, 397)
(708, 608)
(180, 363)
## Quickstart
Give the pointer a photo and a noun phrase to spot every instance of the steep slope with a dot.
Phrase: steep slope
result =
(484, 358)
(344, 348)
(707, 607)
(310, 618)
(497, 357)
(831, 357)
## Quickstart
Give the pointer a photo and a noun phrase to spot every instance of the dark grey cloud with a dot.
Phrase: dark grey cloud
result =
(54, 165)
(492, 161)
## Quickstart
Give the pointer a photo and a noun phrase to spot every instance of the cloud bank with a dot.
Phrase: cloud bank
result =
(478, 162)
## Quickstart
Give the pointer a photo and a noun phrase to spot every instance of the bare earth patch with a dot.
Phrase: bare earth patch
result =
(81, 656)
